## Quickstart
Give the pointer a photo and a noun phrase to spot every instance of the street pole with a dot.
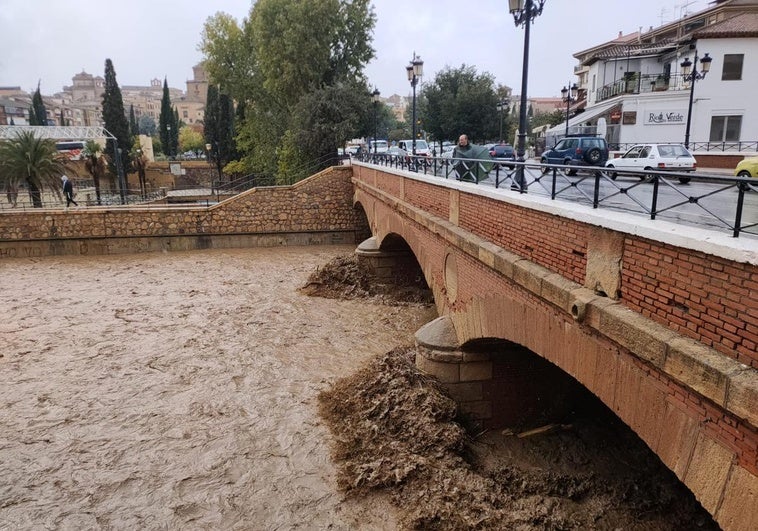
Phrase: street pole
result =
(375, 97)
(414, 70)
(569, 95)
(705, 62)
(523, 12)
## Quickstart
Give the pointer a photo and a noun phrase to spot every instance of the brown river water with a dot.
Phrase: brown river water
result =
(178, 391)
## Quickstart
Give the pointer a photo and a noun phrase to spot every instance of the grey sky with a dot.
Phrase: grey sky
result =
(51, 40)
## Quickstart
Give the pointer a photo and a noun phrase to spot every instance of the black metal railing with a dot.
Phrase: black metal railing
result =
(700, 199)
(641, 83)
(744, 146)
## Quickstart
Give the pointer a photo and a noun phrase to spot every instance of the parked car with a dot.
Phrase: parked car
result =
(422, 148)
(665, 157)
(396, 151)
(747, 167)
(503, 153)
(577, 150)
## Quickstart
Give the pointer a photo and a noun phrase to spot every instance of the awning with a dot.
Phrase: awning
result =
(588, 115)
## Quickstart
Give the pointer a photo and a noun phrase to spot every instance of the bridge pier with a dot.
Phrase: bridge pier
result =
(497, 384)
(386, 265)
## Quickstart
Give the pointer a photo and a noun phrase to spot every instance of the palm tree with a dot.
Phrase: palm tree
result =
(139, 162)
(34, 162)
(94, 163)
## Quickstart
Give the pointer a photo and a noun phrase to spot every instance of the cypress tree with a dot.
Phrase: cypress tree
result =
(210, 122)
(166, 124)
(114, 116)
(40, 113)
(225, 128)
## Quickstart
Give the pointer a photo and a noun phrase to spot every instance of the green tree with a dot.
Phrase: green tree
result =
(94, 163)
(37, 111)
(284, 51)
(225, 131)
(114, 118)
(34, 162)
(190, 140)
(166, 123)
(140, 166)
(146, 125)
(210, 118)
(553, 118)
(323, 121)
(459, 101)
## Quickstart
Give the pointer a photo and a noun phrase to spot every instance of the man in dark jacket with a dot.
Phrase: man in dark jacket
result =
(68, 191)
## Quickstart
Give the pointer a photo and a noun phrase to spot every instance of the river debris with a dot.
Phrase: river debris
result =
(345, 277)
(396, 430)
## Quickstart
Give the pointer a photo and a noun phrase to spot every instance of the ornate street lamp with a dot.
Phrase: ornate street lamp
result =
(523, 12)
(375, 98)
(569, 96)
(415, 70)
(692, 77)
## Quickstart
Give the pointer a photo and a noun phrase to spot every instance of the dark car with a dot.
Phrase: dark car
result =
(577, 151)
(503, 153)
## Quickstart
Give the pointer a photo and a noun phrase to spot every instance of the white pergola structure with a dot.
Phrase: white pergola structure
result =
(56, 132)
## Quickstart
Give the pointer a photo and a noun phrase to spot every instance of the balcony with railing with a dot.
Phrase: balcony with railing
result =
(636, 83)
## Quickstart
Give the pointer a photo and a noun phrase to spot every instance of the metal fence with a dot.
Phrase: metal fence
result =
(706, 200)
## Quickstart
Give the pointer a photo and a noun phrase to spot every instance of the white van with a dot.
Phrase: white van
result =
(422, 148)
(379, 146)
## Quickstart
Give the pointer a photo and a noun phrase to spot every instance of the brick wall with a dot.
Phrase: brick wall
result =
(704, 297)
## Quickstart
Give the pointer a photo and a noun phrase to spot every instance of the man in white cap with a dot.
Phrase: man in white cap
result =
(68, 191)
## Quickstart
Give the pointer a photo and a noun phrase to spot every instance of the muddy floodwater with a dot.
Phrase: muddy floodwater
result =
(178, 391)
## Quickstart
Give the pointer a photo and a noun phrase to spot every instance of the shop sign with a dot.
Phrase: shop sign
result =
(664, 117)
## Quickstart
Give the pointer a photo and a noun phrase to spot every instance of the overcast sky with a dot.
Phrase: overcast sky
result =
(51, 40)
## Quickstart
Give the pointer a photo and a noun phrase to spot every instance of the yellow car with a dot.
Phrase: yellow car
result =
(747, 167)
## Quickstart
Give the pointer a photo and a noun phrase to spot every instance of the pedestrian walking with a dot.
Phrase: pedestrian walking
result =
(68, 191)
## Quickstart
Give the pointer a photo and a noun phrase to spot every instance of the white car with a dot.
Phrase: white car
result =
(666, 157)
(422, 148)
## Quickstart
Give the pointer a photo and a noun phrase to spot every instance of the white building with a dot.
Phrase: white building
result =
(636, 83)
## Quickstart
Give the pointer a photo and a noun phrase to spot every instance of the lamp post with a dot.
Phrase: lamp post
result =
(692, 77)
(375, 97)
(569, 96)
(415, 70)
(502, 105)
(523, 12)
(167, 148)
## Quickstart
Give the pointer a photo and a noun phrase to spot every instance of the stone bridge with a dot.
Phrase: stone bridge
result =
(659, 322)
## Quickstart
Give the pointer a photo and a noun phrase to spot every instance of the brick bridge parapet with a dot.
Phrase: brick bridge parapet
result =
(658, 321)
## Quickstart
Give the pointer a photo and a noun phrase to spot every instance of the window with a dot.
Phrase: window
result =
(725, 128)
(633, 153)
(732, 67)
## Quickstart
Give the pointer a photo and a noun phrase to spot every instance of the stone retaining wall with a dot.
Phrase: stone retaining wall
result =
(321, 204)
